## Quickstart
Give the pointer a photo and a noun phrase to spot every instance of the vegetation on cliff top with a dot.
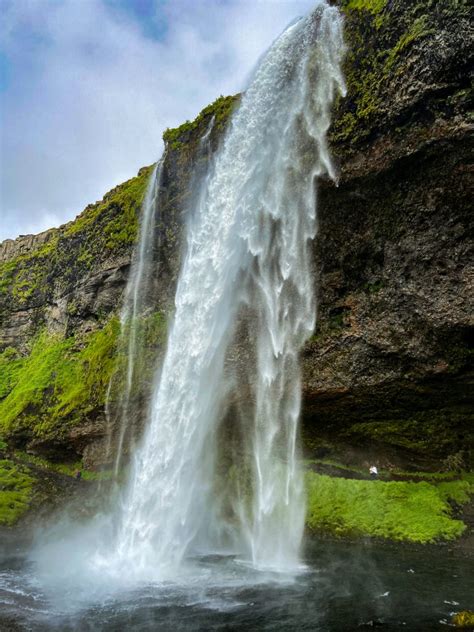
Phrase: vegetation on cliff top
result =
(220, 109)
(377, 33)
(102, 228)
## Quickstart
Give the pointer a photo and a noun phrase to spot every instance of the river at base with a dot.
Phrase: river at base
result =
(341, 587)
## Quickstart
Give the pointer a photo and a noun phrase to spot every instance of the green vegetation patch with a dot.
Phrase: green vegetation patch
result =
(107, 226)
(67, 469)
(61, 379)
(16, 487)
(10, 367)
(125, 200)
(372, 6)
(437, 432)
(220, 109)
(404, 511)
(378, 37)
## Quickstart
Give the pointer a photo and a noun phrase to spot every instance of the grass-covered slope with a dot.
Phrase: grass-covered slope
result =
(218, 112)
(57, 384)
(64, 381)
(16, 487)
(397, 510)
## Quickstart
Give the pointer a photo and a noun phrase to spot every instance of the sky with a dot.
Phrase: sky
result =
(87, 88)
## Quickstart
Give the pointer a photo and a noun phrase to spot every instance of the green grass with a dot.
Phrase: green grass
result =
(61, 379)
(15, 492)
(126, 198)
(372, 6)
(221, 109)
(10, 367)
(405, 511)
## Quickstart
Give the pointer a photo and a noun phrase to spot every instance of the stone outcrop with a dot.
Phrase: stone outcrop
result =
(391, 360)
(390, 363)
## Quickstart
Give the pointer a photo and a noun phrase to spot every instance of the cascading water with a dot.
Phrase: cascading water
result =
(247, 243)
(135, 304)
(138, 316)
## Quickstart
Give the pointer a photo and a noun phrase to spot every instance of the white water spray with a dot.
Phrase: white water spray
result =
(248, 242)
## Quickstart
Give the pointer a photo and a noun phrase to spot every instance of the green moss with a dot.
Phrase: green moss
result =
(149, 333)
(428, 476)
(81, 383)
(109, 225)
(377, 41)
(67, 469)
(61, 379)
(463, 619)
(405, 511)
(34, 376)
(16, 487)
(221, 109)
(417, 30)
(10, 366)
(128, 198)
(7, 271)
(372, 6)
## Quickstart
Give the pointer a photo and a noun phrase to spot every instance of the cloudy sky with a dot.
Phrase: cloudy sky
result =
(88, 86)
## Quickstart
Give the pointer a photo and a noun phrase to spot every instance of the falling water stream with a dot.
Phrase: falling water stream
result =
(131, 343)
(247, 243)
(246, 266)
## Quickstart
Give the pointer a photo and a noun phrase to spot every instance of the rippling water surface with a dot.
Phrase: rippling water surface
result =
(342, 587)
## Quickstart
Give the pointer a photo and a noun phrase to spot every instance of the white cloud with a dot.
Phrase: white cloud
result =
(90, 94)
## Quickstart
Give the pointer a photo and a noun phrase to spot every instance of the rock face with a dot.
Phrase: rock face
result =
(390, 364)
(391, 360)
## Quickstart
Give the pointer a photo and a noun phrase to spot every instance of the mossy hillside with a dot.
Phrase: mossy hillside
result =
(380, 36)
(58, 383)
(64, 381)
(404, 511)
(104, 229)
(16, 488)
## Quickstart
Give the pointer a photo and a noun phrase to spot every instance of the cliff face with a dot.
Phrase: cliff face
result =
(389, 363)
(391, 360)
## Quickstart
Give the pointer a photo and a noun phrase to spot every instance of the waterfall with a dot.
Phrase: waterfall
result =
(248, 251)
(121, 394)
